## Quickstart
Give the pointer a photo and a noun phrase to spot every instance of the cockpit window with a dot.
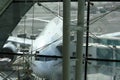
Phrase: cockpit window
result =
(45, 58)
(40, 58)
(49, 59)
(59, 48)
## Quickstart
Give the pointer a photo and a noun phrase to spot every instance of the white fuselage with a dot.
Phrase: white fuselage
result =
(46, 44)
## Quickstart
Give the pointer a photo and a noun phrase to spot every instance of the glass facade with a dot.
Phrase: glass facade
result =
(104, 19)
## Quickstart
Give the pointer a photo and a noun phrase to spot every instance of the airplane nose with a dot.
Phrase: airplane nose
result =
(40, 69)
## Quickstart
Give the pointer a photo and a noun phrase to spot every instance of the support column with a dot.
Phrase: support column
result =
(66, 39)
(79, 45)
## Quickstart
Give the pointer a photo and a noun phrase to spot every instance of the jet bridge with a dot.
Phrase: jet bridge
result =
(10, 14)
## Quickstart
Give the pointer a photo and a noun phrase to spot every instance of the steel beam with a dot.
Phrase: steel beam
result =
(62, 0)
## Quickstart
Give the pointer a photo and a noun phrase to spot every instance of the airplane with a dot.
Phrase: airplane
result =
(46, 44)
(49, 42)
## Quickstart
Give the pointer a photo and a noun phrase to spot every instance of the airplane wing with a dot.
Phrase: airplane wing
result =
(38, 19)
(115, 34)
(108, 39)
(25, 40)
(20, 40)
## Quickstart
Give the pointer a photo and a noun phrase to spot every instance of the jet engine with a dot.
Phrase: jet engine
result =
(8, 50)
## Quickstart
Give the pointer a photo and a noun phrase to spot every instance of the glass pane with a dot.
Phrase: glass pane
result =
(104, 72)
